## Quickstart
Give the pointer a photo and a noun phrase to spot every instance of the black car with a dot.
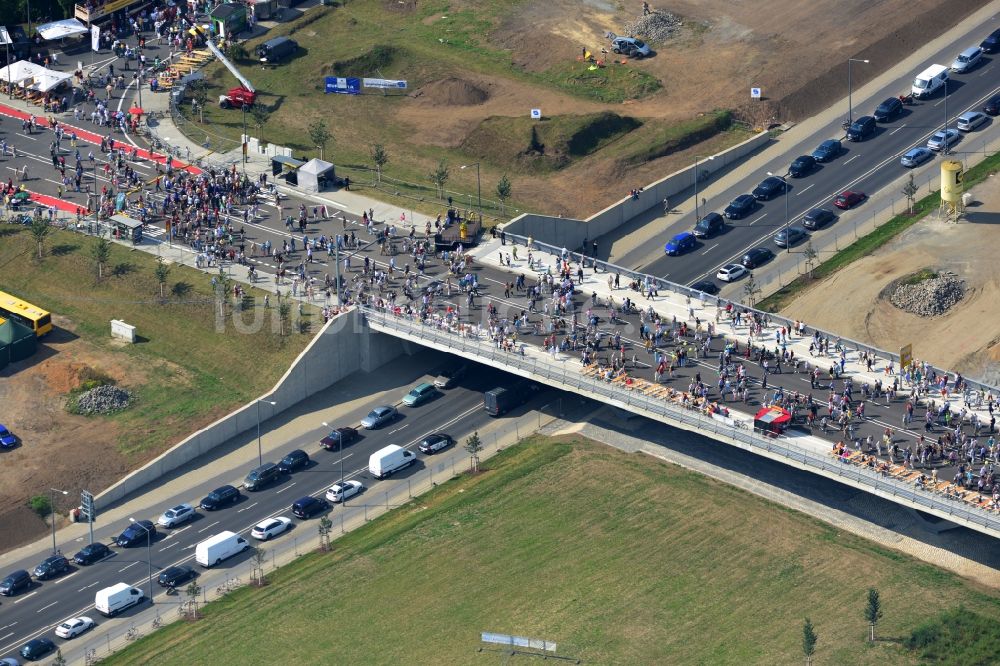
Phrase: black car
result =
(307, 507)
(51, 567)
(992, 107)
(758, 256)
(137, 533)
(263, 476)
(802, 166)
(768, 188)
(37, 648)
(828, 150)
(91, 553)
(436, 442)
(220, 497)
(709, 225)
(818, 218)
(992, 42)
(15, 583)
(294, 461)
(888, 110)
(741, 206)
(789, 237)
(338, 437)
(450, 375)
(861, 129)
(706, 286)
(174, 576)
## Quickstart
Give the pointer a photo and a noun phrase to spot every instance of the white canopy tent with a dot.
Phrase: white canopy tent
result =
(60, 29)
(34, 77)
(315, 174)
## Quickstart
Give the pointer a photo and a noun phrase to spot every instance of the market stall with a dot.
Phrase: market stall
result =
(772, 421)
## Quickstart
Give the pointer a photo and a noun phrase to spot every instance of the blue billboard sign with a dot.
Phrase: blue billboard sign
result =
(343, 86)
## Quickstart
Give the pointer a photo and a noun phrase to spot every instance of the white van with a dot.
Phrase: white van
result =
(222, 546)
(390, 459)
(929, 80)
(112, 600)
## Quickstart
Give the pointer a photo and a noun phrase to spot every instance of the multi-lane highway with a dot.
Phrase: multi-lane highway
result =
(868, 166)
(457, 412)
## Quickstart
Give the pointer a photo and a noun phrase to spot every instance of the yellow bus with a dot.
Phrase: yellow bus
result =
(38, 319)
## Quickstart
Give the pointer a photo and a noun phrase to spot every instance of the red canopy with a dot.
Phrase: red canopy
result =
(773, 416)
(136, 111)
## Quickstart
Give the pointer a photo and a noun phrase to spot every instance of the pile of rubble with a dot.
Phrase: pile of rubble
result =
(654, 27)
(104, 399)
(928, 298)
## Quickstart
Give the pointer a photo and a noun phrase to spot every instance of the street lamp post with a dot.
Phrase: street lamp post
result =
(52, 514)
(850, 88)
(260, 455)
(340, 450)
(244, 142)
(479, 190)
(784, 189)
(149, 550)
(947, 143)
(697, 158)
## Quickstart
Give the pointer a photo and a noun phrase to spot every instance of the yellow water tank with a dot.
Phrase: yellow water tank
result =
(951, 181)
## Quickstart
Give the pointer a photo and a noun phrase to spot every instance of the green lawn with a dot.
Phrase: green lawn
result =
(619, 558)
(195, 371)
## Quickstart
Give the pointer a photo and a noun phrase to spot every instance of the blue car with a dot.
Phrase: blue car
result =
(680, 243)
(916, 156)
(7, 439)
(828, 150)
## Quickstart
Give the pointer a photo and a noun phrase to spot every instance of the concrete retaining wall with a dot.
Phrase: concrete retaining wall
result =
(571, 233)
(342, 347)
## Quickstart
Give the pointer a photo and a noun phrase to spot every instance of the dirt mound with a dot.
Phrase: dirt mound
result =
(451, 92)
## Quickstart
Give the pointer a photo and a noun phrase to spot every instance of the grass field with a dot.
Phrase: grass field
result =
(196, 372)
(619, 559)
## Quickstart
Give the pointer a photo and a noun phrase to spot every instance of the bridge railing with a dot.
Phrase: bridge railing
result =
(566, 375)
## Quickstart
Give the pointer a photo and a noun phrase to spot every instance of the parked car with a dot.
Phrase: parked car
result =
(679, 244)
(16, 582)
(740, 207)
(270, 528)
(420, 394)
(849, 198)
(7, 439)
(992, 106)
(758, 256)
(220, 497)
(451, 375)
(307, 507)
(770, 187)
(176, 516)
(967, 60)
(379, 416)
(818, 218)
(861, 129)
(828, 150)
(51, 567)
(136, 534)
(709, 225)
(73, 627)
(340, 493)
(294, 461)
(706, 287)
(630, 46)
(37, 648)
(175, 576)
(992, 42)
(943, 139)
(338, 438)
(91, 553)
(914, 157)
(790, 236)
(888, 110)
(802, 165)
(731, 272)
(970, 120)
(435, 442)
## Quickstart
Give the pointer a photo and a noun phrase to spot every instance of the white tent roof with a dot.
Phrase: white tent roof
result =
(60, 29)
(316, 166)
(30, 75)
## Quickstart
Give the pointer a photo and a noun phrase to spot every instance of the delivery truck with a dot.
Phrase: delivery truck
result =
(389, 460)
(222, 546)
(113, 600)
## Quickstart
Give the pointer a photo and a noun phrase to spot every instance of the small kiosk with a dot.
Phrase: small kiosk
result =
(772, 421)
(125, 228)
(287, 168)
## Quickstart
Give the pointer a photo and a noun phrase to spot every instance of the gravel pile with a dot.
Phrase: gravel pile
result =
(103, 400)
(928, 298)
(654, 27)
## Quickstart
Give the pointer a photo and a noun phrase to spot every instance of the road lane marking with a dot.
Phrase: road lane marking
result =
(46, 607)
(59, 580)
(285, 488)
(170, 546)
(87, 587)
(758, 220)
(709, 249)
(26, 597)
(176, 532)
(247, 508)
(207, 527)
(897, 129)
(805, 190)
(852, 159)
(398, 429)
(7, 636)
(127, 566)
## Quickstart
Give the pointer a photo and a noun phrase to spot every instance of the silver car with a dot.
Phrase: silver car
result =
(177, 515)
(970, 120)
(378, 417)
(943, 139)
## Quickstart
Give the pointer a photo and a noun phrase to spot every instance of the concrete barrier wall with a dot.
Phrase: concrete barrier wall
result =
(570, 233)
(342, 347)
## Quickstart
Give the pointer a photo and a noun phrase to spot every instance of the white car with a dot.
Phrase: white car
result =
(177, 515)
(970, 120)
(74, 627)
(731, 272)
(271, 527)
(338, 493)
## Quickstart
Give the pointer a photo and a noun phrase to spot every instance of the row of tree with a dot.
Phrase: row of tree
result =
(873, 613)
